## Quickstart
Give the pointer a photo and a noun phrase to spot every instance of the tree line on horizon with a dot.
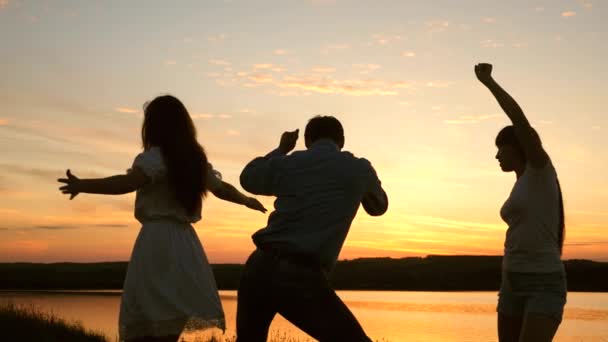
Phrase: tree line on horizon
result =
(431, 273)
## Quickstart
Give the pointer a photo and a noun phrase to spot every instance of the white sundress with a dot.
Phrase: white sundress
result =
(169, 286)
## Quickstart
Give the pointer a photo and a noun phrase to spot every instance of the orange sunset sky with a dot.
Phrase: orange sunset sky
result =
(398, 74)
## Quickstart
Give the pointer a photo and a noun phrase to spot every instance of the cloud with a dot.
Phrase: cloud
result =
(233, 132)
(71, 226)
(539, 8)
(170, 62)
(568, 14)
(366, 68)
(260, 78)
(470, 119)
(280, 52)
(126, 110)
(489, 43)
(342, 87)
(489, 20)
(224, 116)
(329, 48)
(587, 4)
(408, 54)
(437, 26)
(202, 116)
(323, 70)
(45, 174)
(219, 62)
(3, 4)
(382, 39)
(220, 37)
(3, 122)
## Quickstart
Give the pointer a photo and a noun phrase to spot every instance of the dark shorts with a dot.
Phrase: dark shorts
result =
(539, 293)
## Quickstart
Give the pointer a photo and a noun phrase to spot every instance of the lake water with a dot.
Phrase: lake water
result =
(385, 315)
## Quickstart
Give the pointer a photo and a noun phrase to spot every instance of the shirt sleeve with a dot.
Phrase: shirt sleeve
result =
(375, 200)
(262, 175)
(214, 178)
(151, 163)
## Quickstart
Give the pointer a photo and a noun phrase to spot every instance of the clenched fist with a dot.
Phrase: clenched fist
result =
(483, 71)
(288, 141)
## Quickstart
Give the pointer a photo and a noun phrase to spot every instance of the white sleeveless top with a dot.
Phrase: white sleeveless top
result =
(532, 213)
(156, 200)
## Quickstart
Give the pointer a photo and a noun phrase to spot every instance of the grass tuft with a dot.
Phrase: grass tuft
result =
(29, 323)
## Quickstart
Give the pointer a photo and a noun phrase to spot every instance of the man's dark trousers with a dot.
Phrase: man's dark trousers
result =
(274, 283)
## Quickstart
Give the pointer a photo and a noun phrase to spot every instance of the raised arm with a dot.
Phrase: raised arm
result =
(261, 174)
(114, 185)
(527, 137)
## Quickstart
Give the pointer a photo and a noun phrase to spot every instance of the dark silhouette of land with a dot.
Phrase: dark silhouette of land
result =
(431, 273)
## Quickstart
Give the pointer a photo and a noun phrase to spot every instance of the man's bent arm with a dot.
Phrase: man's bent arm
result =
(375, 200)
(259, 176)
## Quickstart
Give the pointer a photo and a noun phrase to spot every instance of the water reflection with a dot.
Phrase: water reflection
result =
(392, 316)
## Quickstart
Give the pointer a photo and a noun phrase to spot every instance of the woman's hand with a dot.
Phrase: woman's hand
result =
(254, 204)
(72, 184)
(483, 71)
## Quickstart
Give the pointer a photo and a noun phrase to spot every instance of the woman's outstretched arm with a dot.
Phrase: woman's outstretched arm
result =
(229, 193)
(114, 185)
(528, 138)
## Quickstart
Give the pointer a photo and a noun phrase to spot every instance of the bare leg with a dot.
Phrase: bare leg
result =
(538, 328)
(509, 328)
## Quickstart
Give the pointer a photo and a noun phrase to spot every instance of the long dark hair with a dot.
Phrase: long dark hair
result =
(168, 126)
(507, 136)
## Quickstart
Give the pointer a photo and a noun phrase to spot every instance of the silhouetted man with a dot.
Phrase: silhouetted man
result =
(318, 194)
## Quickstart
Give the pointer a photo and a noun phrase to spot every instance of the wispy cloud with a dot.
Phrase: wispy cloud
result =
(126, 110)
(568, 14)
(280, 52)
(366, 68)
(232, 132)
(3, 4)
(488, 20)
(72, 226)
(490, 43)
(342, 87)
(384, 39)
(408, 54)
(323, 70)
(3, 122)
(202, 116)
(219, 62)
(329, 48)
(470, 119)
(220, 37)
(268, 66)
(587, 4)
(170, 62)
(437, 26)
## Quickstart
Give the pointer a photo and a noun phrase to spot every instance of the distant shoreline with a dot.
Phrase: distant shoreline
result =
(431, 273)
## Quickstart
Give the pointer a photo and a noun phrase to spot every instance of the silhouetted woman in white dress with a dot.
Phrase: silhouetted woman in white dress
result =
(169, 284)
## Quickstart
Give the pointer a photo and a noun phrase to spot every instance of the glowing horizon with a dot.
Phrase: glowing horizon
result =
(398, 75)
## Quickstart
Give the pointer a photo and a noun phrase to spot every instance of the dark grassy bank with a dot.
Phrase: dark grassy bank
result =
(20, 323)
(432, 273)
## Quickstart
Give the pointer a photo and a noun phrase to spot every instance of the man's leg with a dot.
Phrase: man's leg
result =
(309, 303)
(538, 328)
(255, 305)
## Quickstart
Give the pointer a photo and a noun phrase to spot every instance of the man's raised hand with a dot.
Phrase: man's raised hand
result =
(483, 71)
(288, 141)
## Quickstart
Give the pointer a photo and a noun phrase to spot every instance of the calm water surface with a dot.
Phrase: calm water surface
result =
(389, 316)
